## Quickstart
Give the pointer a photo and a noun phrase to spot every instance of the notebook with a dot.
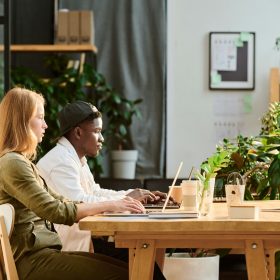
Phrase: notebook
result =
(123, 214)
(173, 215)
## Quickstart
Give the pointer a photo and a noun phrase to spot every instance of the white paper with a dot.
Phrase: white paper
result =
(224, 55)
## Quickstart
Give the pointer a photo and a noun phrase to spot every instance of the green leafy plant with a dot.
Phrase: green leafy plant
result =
(271, 119)
(69, 84)
(251, 157)
(212, 165)
(209, 170)
(257, 158)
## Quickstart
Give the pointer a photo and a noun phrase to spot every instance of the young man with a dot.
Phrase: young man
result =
(65, 169)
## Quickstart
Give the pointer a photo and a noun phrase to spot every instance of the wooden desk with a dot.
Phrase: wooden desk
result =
(144, 237)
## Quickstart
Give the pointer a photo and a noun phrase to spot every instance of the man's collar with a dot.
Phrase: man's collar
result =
(66, 143)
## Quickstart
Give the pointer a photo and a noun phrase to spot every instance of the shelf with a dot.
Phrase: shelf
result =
(52, 48)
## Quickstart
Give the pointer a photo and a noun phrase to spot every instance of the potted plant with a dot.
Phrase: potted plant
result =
(120, 113)
(196, 264)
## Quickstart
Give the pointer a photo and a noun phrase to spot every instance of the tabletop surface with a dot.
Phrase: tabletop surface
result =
(217, 221)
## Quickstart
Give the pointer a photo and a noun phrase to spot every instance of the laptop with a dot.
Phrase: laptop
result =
(165, 213)
(158, 211)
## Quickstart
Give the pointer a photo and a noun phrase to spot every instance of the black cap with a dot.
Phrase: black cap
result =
(74, 113)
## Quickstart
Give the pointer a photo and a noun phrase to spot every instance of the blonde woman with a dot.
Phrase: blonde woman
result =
(36, 248)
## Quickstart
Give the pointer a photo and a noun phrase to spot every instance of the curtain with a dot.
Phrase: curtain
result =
(131, 40)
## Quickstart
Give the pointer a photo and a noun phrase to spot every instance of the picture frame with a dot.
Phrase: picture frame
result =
(231, 60)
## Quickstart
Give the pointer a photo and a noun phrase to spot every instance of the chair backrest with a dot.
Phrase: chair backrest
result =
(118, 184)
(8, 267)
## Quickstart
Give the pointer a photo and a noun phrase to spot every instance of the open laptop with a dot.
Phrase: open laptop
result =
(157, 210)
(177, 213)
(165, 203)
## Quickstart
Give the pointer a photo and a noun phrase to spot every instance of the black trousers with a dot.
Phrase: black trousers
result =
(101, 246)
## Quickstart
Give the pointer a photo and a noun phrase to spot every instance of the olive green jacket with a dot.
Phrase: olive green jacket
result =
(34, 203)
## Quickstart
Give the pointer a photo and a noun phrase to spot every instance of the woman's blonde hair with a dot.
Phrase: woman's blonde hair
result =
(16, 109)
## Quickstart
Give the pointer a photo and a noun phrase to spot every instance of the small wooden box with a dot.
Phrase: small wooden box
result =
(243, 212)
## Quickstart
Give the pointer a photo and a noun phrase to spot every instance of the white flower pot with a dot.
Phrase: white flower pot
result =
(124, 163)
(180, 266)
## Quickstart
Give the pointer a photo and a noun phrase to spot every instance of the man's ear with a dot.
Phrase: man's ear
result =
(77, 132)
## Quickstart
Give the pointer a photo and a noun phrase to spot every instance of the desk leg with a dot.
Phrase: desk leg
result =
(255, 260)
(270, 257)
(130, 260)
(160, 257)
(144, 259)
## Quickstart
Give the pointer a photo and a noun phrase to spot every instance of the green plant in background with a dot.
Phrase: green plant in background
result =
(71, 84)
(249, 156)
(271, 119)
(256, 158)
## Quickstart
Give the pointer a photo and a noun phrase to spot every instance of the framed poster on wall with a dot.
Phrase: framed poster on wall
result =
(232, 61)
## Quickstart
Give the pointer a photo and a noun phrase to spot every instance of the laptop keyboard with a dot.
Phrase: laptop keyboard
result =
(170, 205)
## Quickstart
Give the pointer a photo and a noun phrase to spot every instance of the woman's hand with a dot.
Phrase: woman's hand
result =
(122, 205)
(127, 204)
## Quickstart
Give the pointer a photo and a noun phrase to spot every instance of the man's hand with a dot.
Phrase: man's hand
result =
(145, 196)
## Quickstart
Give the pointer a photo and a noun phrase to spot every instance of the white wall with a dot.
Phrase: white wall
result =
(192, 109)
